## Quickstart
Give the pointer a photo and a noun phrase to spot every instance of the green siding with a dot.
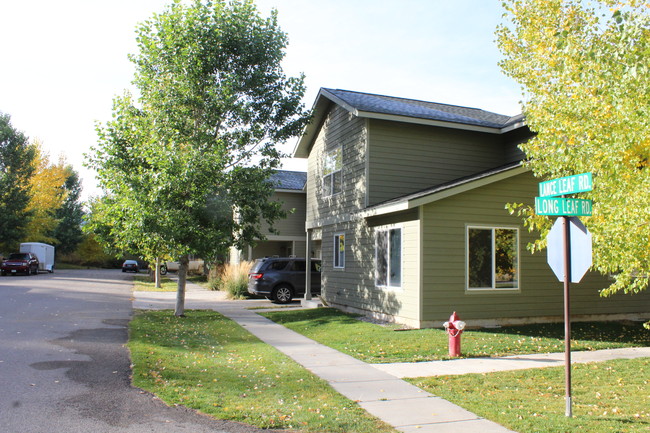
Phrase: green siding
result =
(340, 128)
(290, 236)
(354, 286)
(512, 141)
(295, 206)
(405, 158)
(540, 294)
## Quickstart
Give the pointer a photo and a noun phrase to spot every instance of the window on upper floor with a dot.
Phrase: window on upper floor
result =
(388, 257)
(492, 258)
(332, 182)
(339, 250)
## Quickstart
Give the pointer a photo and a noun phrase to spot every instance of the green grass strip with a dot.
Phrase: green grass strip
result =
(611, 396)
(382, 344)
(211, 364)
(144, 284)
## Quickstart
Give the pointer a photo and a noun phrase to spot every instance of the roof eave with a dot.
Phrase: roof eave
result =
(520, 122)
(293, 191)
(319, 109)
(428, 122)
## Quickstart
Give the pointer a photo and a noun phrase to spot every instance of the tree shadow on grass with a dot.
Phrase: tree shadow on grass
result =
(614, 332)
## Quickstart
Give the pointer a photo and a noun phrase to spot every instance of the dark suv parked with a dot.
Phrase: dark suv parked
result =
(281, 279)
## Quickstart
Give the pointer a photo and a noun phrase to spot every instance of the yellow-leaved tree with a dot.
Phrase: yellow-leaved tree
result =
(584, 68)
(48, 194)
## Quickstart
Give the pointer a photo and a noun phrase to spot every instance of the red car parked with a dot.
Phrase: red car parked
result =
(26, 263)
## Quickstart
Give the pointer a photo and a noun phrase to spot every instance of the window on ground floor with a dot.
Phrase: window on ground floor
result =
(388, 257)
(492, 258)
(339, 250)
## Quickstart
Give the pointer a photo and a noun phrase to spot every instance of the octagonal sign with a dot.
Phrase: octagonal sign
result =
(580, 249)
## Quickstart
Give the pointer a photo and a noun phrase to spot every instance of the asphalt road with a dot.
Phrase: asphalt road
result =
(63, 364)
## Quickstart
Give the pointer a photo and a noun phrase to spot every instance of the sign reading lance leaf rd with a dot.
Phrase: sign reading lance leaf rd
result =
(566, 185)
(562, 206)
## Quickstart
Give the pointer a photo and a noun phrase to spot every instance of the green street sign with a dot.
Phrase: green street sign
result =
(562, 206)
(566, 185)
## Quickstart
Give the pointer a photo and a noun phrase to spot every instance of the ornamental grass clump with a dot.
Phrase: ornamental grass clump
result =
(234, 279)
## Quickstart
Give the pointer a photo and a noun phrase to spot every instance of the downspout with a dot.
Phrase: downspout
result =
(308, 266)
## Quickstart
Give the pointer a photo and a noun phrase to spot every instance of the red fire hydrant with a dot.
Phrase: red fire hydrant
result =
(454, 329)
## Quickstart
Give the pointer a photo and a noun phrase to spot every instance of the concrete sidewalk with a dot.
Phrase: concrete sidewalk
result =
(378, 388)
(517, 362)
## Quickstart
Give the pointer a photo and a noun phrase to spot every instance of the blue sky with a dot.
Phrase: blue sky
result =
(64, 61)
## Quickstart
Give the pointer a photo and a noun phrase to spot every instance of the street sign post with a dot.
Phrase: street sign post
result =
(569, 233)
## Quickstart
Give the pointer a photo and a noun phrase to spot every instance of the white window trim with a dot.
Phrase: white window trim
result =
(326, 156)
(384, 229)
(492, 289)
(335, 242)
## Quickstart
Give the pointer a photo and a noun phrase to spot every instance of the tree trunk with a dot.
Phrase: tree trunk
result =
(180, 292)
(157, 273)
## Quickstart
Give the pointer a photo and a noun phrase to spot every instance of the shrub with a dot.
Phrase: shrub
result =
(89, 253)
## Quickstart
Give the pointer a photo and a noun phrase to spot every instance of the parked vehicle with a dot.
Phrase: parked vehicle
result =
(26, 263)
(194, 265)
(281, 279)
(130, 266)
(44, 253)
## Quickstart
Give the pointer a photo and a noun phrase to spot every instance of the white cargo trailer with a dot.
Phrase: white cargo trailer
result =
(44, 253)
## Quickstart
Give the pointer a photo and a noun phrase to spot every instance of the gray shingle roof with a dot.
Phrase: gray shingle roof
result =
(291, 180)
(390, 105)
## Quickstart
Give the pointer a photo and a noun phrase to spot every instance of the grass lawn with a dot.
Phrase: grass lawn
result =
(142, 283)
(209, 363)
(611, 396)
(381, 344)
(200, 280)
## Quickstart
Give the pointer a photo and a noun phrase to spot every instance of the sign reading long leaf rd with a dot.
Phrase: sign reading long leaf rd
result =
(562, 206)
(566, 185)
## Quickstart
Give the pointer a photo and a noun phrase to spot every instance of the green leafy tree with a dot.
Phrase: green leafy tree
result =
(16, 170)
(200, 140)
(584, 70)
(122, 229)
(90, 252)
(69, 215)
